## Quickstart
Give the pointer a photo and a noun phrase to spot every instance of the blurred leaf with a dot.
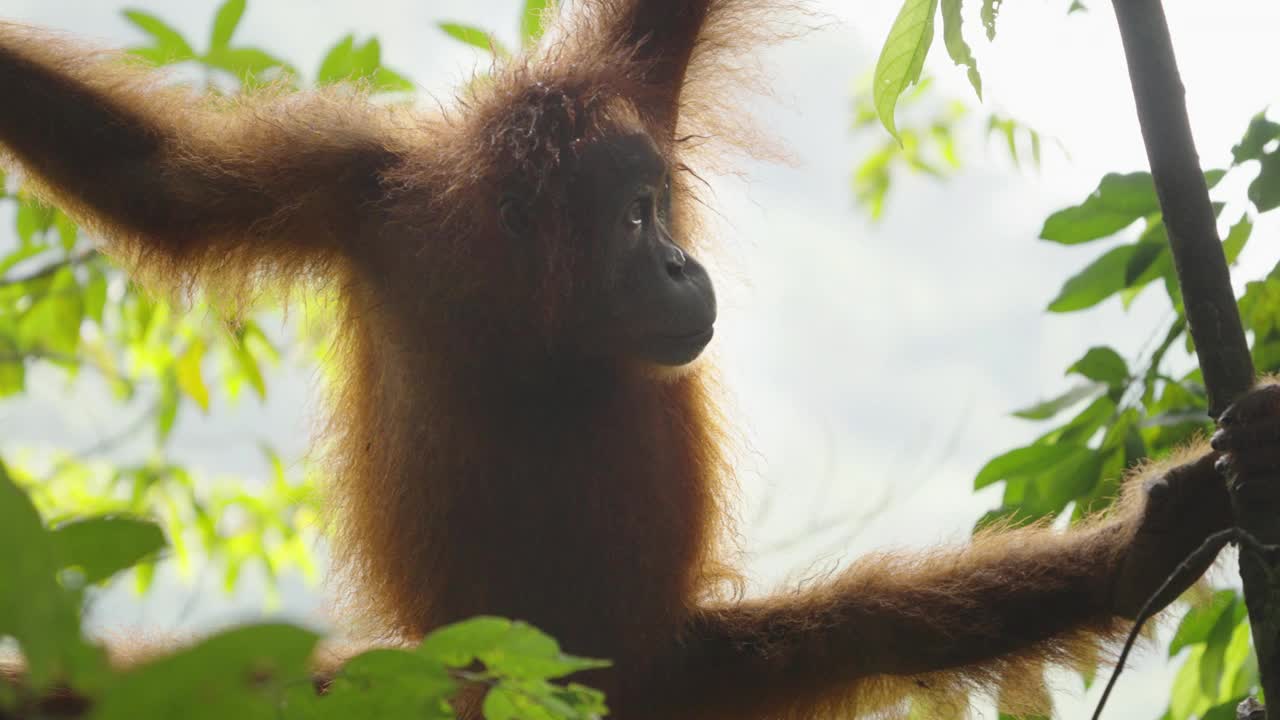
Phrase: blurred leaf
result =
(13, 372)
(95, 295)
(1237, 238)
(1048, 408)
(167, 409)
(338, 62)
(248, 365)
(1118, 201)
(169, 43)
(902, 58)
(244, 62)
(1025, 461)
(1099, 280)
(1103, 365)
(1186, 699)
(53, 322)
(102, 546)
(1211, 663)
(475, 37)
(531, 22)
(1198, 622)
(1252, 146)
(34, 609)
(33, 217)
(957, 48)
(509, 648)
(225, 23)
(68, 234)
(188, 374)
(390, 684)
(238, 673)
(1264, 191)
(990, 11)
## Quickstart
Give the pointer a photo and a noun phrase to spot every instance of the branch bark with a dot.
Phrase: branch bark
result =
(1210, 304)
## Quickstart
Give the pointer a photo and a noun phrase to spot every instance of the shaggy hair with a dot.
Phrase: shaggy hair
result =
(476, 467)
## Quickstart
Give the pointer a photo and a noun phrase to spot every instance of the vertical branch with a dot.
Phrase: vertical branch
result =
(1206, 289)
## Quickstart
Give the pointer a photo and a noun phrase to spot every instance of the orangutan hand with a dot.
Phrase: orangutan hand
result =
(1187, 504)
(1248, 437)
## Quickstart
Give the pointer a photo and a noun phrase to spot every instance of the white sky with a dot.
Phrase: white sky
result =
(873, 368)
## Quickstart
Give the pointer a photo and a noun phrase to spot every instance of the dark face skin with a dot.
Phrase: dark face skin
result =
(649, 299)
(639, 295)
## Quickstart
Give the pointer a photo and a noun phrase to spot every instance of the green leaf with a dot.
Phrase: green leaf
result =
(1224, 711)
(169, 43)
(239, 673)
(337, 62)
(248, 366)
(189, 377)
(104, 545)
(1077, 6)
(95, 295)
(1070, 479)
(1025, 461)
(902, 58)
(1096, 282)
(366, 59)
(34, 609)
(225, 23)
(1240, 662)
(390, 684)
(1103, 365)
(1252, 146)
(1186, 699)
(1215, 648)
(53, 322)
(512, 649)
(957, 48)
(167, 407)
(1144, 265)
(1237, 238)
(67, 231)
(13, 376)
(1048, 408)
(386, 80)
(244, 62)
(531, 22)
(1118, 201)
(1264, 191)
(1198, 623)
(475, 37)
(33, 217)
(990, 11)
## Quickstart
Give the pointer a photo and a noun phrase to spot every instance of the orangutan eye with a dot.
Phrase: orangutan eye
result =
(639, 211)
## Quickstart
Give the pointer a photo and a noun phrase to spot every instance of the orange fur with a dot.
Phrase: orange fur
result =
(478, 469)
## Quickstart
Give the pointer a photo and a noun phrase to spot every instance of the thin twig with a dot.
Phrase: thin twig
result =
(1181, 574)
(77, 259)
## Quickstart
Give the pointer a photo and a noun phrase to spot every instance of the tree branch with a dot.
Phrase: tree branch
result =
(51, 268)
(1206, 290)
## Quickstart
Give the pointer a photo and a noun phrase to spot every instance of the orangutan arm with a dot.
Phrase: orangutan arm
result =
(182, 185)
(960, 618)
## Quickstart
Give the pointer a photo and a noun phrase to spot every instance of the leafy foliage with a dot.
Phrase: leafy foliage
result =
(1136, 408)
(927, 141)
(254, 671)
(532, 18)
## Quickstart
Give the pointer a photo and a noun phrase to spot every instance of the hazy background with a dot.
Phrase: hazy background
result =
(872, 368)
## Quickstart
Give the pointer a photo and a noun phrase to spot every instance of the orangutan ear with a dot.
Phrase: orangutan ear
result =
(660, 36)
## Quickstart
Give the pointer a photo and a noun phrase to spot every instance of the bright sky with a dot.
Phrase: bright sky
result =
(872, 367)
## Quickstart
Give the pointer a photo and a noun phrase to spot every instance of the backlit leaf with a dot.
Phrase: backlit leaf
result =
(957, 48)
(902, 58)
